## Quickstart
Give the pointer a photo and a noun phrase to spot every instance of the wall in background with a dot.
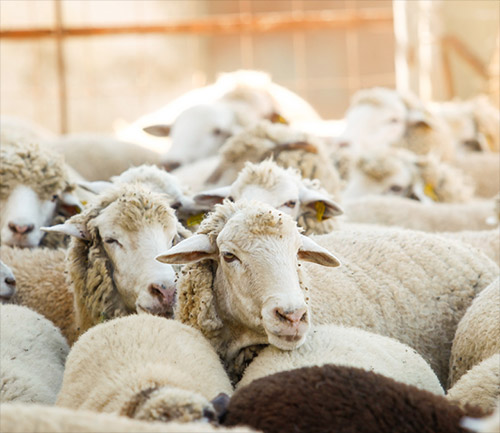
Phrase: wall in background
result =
(114, 79)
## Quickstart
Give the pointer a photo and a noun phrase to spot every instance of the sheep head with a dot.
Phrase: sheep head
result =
(256, 293)
(111, 258)
(34, 190)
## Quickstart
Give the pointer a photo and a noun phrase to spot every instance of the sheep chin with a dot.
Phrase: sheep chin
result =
(286, 342)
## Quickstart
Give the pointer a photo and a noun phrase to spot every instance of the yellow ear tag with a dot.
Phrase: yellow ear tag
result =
(278, 118)
(429, 192)
(84, 202)
(195, 219)
(320, 210)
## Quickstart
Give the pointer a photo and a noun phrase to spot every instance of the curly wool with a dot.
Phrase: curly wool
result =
(267, 139)
(30, 165)
(478, 334)
(89, 267)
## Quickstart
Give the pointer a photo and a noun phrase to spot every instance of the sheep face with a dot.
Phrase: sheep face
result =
(379, 176)
(25, 212)
(283, 189)
(197, 133)
(257, 285)
(144, 284)
(117, 239)
(7, 283)
(374, 124)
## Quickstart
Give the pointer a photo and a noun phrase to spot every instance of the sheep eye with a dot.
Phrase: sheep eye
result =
(394, 120)
(290, 203)
(230, 198)
(217, 131)
(55, 197)
(112, 241)
(396, 188)
(229, 257)
(176, 205)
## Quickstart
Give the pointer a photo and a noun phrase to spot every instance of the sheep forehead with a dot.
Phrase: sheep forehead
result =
(263, 222)
(204, 117)
(131, 208)
(267, 175)
(380, 97)
(27, 164)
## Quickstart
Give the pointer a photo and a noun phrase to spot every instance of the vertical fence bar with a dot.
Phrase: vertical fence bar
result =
(61, 68)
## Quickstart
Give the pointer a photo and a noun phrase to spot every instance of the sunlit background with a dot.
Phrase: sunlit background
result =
(94, 65)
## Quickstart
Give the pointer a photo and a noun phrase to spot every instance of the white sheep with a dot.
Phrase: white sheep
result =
(32, 356)
(289, 148)
(200, 121)
(110, 263)
(480, 386)
(284, 189)
(477, 336)
(401, 172)
(353, 347)
(22, 418)
(381, 117)
(98, 157)
(248, 288)
(35, 191)
(403, 212)
(7, 283)
(144, 367)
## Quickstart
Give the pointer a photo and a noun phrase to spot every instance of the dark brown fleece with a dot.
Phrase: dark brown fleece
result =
(340, 399)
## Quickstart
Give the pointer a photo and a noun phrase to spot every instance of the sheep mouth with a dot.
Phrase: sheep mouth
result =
(5, 298)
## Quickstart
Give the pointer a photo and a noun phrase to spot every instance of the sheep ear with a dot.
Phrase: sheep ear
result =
(212, 197)
(318, 202)
(69, 204)
(96, 187)
(310, 251)
(71, 229)
(158, 130)
(191, 250)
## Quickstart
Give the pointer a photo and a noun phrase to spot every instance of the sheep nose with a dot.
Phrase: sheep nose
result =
(172, 165)
(21, 229)
(344, 143)
(165, 295)
(293, 317)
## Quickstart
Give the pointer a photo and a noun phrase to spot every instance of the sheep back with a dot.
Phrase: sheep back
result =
(330, 344)
(478, 335)
(42, 286)
(341, 399)
(32, 355)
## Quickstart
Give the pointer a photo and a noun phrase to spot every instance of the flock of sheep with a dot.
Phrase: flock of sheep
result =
(271, 280)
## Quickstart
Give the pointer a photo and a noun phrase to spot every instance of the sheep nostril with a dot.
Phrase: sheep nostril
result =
(292, 317)
(10, 281)
(162, 293)
(170, 166)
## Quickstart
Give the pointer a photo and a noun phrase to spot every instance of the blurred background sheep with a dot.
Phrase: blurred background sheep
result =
(358, 118)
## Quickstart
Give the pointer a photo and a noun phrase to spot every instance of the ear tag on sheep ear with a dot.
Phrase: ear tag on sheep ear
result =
(430, 192)
(320, 210)
(278, 118)
(104, 317)
(195, 219)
